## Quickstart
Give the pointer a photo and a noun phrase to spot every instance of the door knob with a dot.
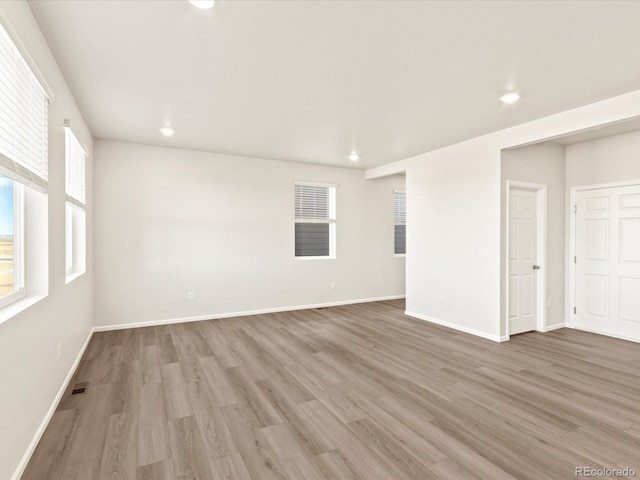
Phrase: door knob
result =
(536, 267)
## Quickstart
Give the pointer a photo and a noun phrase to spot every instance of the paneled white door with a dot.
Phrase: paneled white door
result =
(608, 261)
(522, 261)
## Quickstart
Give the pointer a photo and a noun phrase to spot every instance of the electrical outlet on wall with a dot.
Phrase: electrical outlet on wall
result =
(59, 350)
(190, 295)
(333, 284)
(440, 298)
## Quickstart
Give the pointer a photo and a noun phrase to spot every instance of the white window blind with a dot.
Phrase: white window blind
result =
(23, 119)
(312, 203)
(400, 207)
(400, 222)
(314, 220)
(75, 169)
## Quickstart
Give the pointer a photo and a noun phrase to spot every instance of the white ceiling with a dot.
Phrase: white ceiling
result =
(311, 80)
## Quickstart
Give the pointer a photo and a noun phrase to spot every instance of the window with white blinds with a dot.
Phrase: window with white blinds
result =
(23, 119)
(75, 169)
(75, 188)
(315, 218)
(400, 222)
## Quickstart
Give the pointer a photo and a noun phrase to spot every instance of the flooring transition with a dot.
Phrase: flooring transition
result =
(353, 392)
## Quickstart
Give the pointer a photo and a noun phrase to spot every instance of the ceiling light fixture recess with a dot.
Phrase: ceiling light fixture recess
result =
(202, 3)
(510, 97)
(167, 131)
(354, 157)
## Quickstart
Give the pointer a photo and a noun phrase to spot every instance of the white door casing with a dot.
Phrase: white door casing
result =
(522, 250)
(607, 266)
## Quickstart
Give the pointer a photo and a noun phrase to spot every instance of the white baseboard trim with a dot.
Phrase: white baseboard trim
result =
(576, 327)
(495, 338)
(215, 316)
(612, 335)
(556, 326)
(52, 409)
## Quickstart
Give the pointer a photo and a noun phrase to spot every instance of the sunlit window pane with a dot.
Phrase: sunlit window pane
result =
(7, 284)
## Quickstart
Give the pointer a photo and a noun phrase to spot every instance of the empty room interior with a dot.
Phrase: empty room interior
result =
(319, 239)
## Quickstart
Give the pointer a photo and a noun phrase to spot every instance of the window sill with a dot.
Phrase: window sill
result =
(18, 306)
(400, 255)
(314, 258)
(72, 276)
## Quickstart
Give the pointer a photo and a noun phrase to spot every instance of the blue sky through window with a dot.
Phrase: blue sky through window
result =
(6, 206)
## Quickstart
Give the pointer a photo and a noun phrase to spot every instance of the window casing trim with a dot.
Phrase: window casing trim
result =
(75, 241)
(19, 44)
(331, 221)
(397, 222)
(316, 184)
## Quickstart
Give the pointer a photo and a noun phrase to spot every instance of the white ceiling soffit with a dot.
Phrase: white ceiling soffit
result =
(599, 132)
(312, 81)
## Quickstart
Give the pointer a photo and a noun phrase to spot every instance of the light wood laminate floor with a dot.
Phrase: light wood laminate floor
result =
(353, 392)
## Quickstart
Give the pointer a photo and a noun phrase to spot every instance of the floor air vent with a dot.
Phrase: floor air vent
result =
(79, 388)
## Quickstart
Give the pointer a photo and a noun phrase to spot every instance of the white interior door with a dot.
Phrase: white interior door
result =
(522, 261)
(608, 261)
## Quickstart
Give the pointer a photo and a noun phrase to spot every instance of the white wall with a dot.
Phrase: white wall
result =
(542, 164)
(453, 231)
(170, 221)
(606, 160)
(30, 373)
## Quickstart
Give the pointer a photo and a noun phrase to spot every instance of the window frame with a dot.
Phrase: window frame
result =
(75, 241)
(396, 223)
(18, 246)
(331, 221)
(19, 145)
(75, 210)
(24, 158)
(68, 238)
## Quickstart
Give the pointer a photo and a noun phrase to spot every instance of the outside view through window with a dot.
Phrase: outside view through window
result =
(6, 235)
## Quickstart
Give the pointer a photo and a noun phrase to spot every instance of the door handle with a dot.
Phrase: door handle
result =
(536, 267)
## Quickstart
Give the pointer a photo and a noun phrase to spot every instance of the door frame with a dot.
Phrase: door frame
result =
(541, 252)
(571, 304)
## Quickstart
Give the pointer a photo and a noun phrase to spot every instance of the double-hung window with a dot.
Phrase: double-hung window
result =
(75, 187)
(23, 160)
(315, 220)
(400, 222)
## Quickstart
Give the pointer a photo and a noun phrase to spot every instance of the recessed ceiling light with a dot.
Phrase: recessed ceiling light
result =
(510, 97)
(354, 157)
(167, 131)
(202, 3)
